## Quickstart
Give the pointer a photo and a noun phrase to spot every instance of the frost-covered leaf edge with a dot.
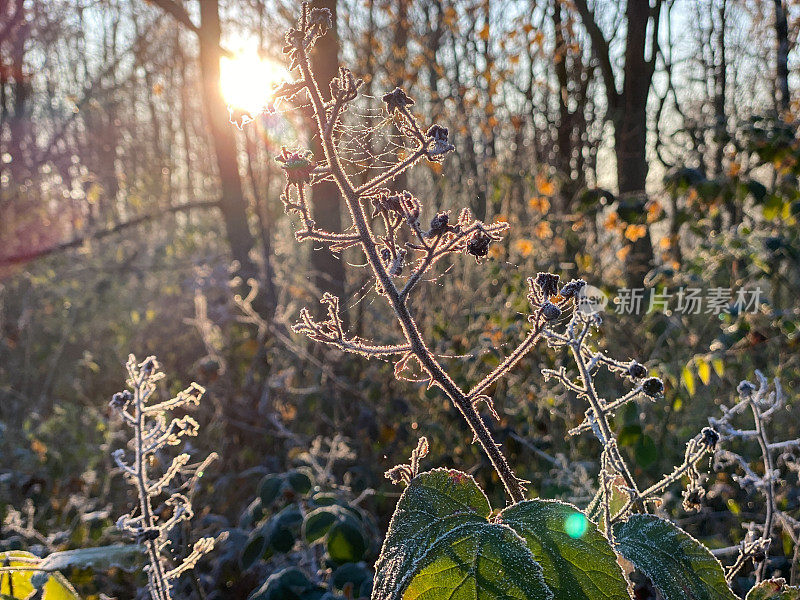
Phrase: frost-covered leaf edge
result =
(635, 558)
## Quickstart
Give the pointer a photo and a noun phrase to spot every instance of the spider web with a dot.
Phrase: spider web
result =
(368, 138)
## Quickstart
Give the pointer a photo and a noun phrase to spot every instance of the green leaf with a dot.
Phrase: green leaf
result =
(283, 528)
(270, 488)
(252, 514)
(56, 587)
(127, 557)
(577, 559)
(440, 539)
(619, 498)
(299, 481)
(353, 573)
(254, 547)
(773, 589)
(677, 564)
(478, 561)
(288, 584)
(346, 542)
(317, 523)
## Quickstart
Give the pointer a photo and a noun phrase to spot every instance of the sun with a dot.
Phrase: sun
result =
(248, 81)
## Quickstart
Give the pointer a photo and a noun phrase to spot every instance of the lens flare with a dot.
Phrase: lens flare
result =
(576, 525)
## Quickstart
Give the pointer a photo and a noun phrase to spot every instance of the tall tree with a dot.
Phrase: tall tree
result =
(626, 96)
(782, 55)
(232, 204)
(329, 272)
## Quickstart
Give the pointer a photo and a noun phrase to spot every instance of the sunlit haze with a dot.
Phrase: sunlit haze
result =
(248, 81)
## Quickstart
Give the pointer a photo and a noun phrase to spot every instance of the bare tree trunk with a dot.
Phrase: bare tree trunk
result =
(232, 203)
(328, 268)
(628, 113)
(564, 127)
(782, 56)
(398, 69)
(630, 129)
(720, 92)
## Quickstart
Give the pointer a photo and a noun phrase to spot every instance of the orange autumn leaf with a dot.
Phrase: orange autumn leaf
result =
(539, 204)
(654, 211)
(524, 247)
(612, 222)
(544, 186)
(623, 252)
(635, 232)
(543, 230)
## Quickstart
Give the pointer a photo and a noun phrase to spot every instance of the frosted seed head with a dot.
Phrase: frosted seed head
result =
(396, 99)
(550, 311)
(547, 283)
(693, 499)
(321, 17)
(439, 224)
(636, 370)
(653, 387)
(120, 400)
(745, 389)
(478, 245)
(710, 437)
(573, 288)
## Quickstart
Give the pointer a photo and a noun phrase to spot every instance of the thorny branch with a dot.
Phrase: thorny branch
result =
(386, 255)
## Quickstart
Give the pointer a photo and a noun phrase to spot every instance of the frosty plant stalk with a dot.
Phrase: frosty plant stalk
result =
(154, 430)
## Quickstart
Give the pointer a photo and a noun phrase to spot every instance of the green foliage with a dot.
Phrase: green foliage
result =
(481, 560)
(440, 538)
(355, 574)
(619, 498)
(677, 564)
(291, 514)
(288, 584)
(577, 559)
(290, 484)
